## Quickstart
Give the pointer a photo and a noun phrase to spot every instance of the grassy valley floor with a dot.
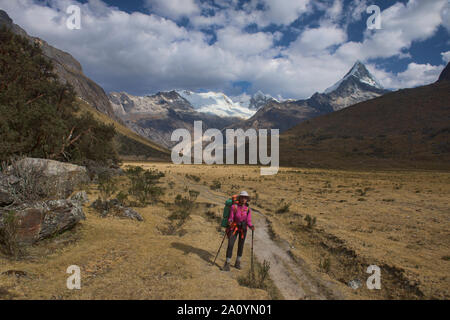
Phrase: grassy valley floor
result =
(397, 220)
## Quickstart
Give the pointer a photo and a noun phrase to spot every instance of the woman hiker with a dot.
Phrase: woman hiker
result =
(239, 220)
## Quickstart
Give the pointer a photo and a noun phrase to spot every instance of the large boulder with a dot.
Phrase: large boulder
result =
(95, 169)
(53, 178)
(127, 213)
(40, 220)
(7, 182)
(5, 198)
(61, 215)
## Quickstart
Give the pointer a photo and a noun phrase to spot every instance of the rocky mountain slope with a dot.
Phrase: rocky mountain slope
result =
(406, 128)
(68, 69)
(157, 116)
(357, 85)
(130, 145)
(92, 98)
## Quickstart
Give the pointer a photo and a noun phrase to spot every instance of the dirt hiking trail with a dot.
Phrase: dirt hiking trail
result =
(292, 279)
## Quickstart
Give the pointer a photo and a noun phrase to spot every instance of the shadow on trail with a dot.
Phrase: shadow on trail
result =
(203, 254)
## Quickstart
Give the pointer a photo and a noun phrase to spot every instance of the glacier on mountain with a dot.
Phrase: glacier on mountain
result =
(216, 103)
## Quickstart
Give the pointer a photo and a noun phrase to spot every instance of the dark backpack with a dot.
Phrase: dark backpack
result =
(226, 213)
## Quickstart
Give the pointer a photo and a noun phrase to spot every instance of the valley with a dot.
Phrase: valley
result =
(397, 220)
(362, 181)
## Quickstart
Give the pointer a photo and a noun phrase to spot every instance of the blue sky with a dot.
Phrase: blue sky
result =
(287, 48)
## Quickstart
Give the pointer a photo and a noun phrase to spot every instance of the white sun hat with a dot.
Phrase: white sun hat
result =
(244, 194)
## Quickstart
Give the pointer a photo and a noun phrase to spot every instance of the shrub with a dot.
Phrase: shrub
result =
(255, 198)
(122, 197)
(106, 185)
(184, 206)
(325, 264)
(32, 185)
(361, 192)
(8, 234)
(144, 184)
(310, 221)
(173, 229)
(212, 216)
(262, 273)
(284, 208)
(216, 185)
(193, 177)
(257, 280)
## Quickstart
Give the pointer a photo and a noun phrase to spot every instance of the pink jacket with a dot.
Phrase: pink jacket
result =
(240, 213)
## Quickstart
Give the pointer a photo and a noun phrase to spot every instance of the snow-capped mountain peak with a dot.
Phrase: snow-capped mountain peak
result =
(255, 101)
(216, 103)
(259, 99)
(360, 73)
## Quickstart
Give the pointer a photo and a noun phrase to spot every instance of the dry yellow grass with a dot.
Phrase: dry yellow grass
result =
(123, 259)
(398, 220)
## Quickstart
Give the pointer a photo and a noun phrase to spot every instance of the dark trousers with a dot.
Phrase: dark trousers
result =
(232, 239)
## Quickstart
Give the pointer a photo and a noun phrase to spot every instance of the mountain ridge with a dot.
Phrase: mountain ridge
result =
(353, 88)
(157, 116)
(91, 97)
(445, 74)
(408, 128)
(67, 68)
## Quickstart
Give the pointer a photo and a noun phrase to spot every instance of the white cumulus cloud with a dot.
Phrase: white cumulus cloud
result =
(147, 52)
(173, 8)
(446, 56)
(415, 75)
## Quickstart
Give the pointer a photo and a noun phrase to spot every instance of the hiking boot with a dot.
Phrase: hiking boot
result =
(226, 267)
(237, 265)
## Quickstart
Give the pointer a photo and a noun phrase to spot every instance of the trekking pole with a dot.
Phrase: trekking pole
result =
(220, 247)
(251, 266)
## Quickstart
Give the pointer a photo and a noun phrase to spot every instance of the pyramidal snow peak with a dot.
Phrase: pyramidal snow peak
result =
(360, 74)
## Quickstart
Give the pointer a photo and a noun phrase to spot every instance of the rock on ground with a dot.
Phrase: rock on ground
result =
(40, 220)
(354, 284)
(6, 183)
(59, 178)
(81, 197)
(114, 208)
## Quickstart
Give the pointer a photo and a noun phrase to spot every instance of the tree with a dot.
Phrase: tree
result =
(39, 114)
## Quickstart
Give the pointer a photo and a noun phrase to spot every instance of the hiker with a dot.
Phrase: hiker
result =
(239, 220)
